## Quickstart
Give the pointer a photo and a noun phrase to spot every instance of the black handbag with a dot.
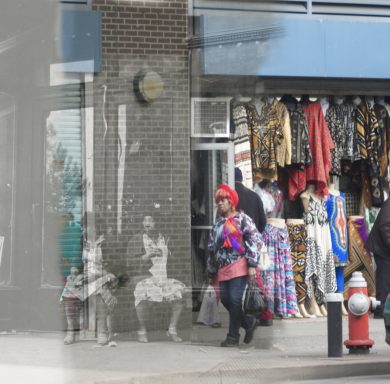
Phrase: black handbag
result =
(254, 302)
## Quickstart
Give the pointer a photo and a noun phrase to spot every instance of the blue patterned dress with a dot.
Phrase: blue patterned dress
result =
(279, 279)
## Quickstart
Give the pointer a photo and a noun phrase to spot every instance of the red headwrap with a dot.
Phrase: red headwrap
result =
(231, 193)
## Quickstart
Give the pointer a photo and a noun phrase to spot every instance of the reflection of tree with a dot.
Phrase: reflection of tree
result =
(63, 231)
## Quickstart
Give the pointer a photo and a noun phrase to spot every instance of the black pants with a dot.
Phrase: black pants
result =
(382, 281)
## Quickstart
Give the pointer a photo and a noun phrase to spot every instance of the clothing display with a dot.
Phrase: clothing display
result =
(242, 146)
(300, 147)
(298, 237)
(266, 134)
(335, 120)
(320, 268)
(369, 141)
(285, 147)
(337, 216)
(279, 279)
(358, 257)
(321, 144)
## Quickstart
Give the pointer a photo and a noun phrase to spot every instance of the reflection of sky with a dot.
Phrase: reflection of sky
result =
(308, 47)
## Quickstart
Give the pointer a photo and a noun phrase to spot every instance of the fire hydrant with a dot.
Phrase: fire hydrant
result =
(359, 306)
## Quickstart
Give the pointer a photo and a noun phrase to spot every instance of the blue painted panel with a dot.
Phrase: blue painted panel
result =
(81, 41)
(308, 48)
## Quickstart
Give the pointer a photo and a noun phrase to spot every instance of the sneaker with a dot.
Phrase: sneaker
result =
(142, 337)
(229, 342)
(250, 332)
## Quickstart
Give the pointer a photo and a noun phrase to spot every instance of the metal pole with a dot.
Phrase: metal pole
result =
(335, 324)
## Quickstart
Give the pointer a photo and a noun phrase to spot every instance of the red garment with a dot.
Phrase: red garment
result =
(321, 144)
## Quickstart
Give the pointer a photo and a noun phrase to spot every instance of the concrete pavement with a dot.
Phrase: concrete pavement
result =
(292, 349)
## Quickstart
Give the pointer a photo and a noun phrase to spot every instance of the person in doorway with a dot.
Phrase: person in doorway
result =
(251, 204)
(153, 286)
(249, 201)
(234, 245)
(378, 243)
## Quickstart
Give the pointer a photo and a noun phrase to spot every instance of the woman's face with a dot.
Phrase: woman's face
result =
(148, 223)
(224, 206)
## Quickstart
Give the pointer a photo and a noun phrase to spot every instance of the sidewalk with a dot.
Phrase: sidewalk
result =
(292, 349)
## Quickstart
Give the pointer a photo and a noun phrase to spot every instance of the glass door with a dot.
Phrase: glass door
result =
(211, 165)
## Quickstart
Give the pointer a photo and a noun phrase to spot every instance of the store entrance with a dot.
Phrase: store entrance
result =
(212, 164)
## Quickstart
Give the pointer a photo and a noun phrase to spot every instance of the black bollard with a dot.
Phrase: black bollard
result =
(335, 324)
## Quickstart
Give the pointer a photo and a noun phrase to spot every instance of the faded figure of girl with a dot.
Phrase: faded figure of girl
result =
(234, 245)
(151, 250)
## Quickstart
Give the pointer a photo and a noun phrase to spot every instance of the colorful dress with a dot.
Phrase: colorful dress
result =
(279, 278)
(298, 237)
(321, 145)
(320, 268)
(358, 257)
(266, 134)
(337, 215)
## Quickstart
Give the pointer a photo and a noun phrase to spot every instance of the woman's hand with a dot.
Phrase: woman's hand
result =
(251, 273)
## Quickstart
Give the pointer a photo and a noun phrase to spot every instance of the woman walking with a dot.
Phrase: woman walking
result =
(234, 245)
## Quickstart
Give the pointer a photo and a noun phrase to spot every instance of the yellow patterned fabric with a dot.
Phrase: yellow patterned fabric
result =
(265, 134)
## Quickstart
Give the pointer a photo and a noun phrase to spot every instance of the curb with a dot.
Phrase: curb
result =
(275, 374)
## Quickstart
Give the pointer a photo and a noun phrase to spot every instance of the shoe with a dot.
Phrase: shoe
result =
(265, 323)
(102, 339)
(250, 332)
(174, 337)
(229, 343)
(69, 338)
(142, 337)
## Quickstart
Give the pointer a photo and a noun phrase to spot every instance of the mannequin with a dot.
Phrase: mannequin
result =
(379, 100)
(301, 306)
(370, 101)
(339, 100)
(356, 100)
(320, 262)
(324, 104)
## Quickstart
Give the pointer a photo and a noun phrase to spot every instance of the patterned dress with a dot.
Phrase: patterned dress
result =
(279, 279)
(242, 146)
(298, 238)
(266, 134)
(337, 216)
(300, 147)
(358, 257)
(367, 128)
(320, 268)
(336, 125)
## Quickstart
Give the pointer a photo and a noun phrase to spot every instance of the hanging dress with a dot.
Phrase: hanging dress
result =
(298, 238)
(321, 144)
(266, 134)
(337, 216)
(279, 278)
(320, 268)
(242, 146)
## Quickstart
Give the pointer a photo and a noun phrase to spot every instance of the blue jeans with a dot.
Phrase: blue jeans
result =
(231, 292)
